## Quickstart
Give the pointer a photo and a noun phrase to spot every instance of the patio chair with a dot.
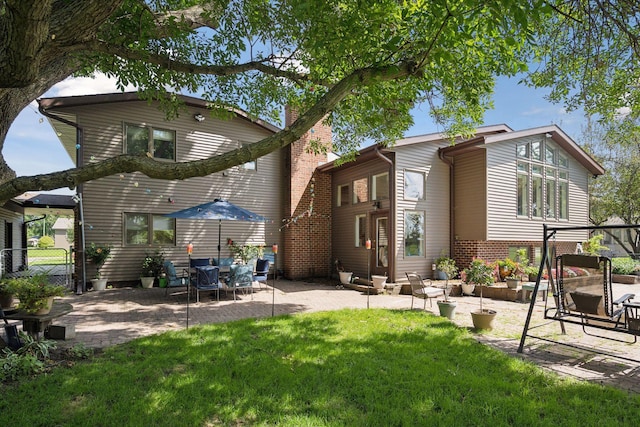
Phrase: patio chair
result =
(262, 271)
(199, 262)
(240, 278)
(173, 280)
(206, 279)
(421, 290)
(223, 262)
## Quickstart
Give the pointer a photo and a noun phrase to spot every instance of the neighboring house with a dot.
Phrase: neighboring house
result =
(60, 232)
(126, 210)
(13, 238)
(483, 197)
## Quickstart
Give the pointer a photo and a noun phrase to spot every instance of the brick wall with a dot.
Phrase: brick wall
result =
(307, 227)
(465, 250)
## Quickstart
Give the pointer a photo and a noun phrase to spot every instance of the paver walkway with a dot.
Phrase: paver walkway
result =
(115, 316)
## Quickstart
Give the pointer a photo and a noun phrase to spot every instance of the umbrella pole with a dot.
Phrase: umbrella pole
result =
(219, 231)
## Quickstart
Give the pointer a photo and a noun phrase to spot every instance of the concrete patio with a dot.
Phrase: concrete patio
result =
(115, 316)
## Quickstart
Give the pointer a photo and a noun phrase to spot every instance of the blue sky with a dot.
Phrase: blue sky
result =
(32, 148)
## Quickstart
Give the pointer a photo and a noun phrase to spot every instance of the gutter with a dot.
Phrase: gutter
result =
(452, 232)
(79, 189)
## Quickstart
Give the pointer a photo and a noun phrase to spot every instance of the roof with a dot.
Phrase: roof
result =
(48, 203)
(64, 123)
(62, 224)
(552, 131)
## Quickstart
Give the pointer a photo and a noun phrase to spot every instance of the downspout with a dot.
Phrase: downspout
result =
(452, 232)
(392, 210)
(79, 190)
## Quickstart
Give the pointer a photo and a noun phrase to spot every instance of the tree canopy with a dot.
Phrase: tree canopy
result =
(360, 65)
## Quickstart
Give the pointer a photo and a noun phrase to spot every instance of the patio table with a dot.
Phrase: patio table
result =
(34, 324)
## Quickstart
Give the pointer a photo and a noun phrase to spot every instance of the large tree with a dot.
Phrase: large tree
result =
(361, 65)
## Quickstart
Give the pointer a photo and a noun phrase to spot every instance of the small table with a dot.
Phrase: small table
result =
(33, 324)
(530, 286)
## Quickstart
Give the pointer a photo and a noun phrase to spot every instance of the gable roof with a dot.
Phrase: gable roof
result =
(552, 131)
(65, 126)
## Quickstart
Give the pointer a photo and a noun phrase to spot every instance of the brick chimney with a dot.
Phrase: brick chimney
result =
(307, 227)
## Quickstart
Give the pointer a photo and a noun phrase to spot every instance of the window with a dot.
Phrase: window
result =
(414, 234)
(361, 230)
(148, 229)
(360, 190)
(380, 186)
(140, 140)
(542, 181)
(413, 185)
(342, 195)
(250, 166)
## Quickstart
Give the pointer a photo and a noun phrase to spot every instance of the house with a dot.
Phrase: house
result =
(126, 210)
(60, 232)
(486, 197)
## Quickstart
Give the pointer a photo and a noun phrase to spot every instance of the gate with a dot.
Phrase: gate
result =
(56, 263)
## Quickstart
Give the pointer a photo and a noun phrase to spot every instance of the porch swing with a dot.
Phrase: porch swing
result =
(582, 289)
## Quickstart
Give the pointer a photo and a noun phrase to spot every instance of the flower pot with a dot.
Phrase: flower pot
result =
(513, 283)
(6, 300)
(483, 319)
(147, 282)
(45, 310)
(440, 275)
(162, 282)
(447, 309)
(99, 284)
(467, 288)
(378, 281)
(345, 277)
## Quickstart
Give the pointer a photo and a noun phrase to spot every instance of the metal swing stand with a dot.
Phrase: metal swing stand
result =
(614, 323)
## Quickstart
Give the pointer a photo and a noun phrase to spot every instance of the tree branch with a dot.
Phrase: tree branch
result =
(169, 171)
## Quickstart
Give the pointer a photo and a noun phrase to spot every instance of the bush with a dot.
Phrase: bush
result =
(46, 242)
(625, 265)
(26, 361)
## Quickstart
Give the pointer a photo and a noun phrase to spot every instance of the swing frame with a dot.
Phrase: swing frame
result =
(624, 319)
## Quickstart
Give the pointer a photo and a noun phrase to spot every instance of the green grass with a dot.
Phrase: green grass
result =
(51, 256)
(342, 368)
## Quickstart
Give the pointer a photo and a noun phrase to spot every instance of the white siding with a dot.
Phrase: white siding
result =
(423, 158)
(502, 221)
(16, 220)
(106, 199)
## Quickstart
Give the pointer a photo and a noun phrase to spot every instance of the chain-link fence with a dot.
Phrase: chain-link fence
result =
(57, 263)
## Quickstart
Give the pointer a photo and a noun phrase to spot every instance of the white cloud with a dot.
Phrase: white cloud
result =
(74, 86)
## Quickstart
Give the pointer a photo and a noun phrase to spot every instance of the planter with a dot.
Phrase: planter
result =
(447, 309)
(147, 282)
(345, 277)
(627, 279)
(513, 283)
(483, 319)
(440, 275)
(99, 284)
(45, 310)
(162, 282)
(6, 300)
(467, 288)
(378, 281)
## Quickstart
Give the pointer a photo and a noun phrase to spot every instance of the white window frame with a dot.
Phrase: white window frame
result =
(150, 229)
(420, 182)
(375, 185)
(360, 232)
(150, 140)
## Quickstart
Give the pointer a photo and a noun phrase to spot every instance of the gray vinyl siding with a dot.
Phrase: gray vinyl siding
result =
(502, 220)
(470, 196)
(423, 158)
(343, 225)
(107, 199)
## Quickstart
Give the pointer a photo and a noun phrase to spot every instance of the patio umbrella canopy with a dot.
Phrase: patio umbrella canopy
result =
(218, 209)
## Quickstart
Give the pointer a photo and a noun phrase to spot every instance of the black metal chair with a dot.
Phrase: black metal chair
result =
(262, 271)
(206, 279)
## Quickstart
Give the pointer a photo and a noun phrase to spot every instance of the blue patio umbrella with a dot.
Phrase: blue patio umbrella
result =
(218, 209)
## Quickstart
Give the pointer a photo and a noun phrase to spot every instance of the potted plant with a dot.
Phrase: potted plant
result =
(480, 273)
(244, 252)
(7, 291)
(513, 279)
(98, 254)
(448, 267)
(504, 268)
(36, 294)
(345, 276)
(440, 275)
(152, 266)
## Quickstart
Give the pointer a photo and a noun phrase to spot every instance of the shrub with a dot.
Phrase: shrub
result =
(26, 361)
(625, 265)
(46, 242)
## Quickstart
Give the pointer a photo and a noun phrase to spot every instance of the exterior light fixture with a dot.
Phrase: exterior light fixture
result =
(198, 117)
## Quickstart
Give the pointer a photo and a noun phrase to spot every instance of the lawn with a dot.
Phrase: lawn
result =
(340, 368)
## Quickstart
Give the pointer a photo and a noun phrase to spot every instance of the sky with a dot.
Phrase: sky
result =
(32, 147)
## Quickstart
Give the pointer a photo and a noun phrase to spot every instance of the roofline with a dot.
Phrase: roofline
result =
(365, 154)
(109, 98)
(439, 136)
(556, 134)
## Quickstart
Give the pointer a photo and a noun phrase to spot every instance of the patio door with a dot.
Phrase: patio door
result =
(380, 244)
